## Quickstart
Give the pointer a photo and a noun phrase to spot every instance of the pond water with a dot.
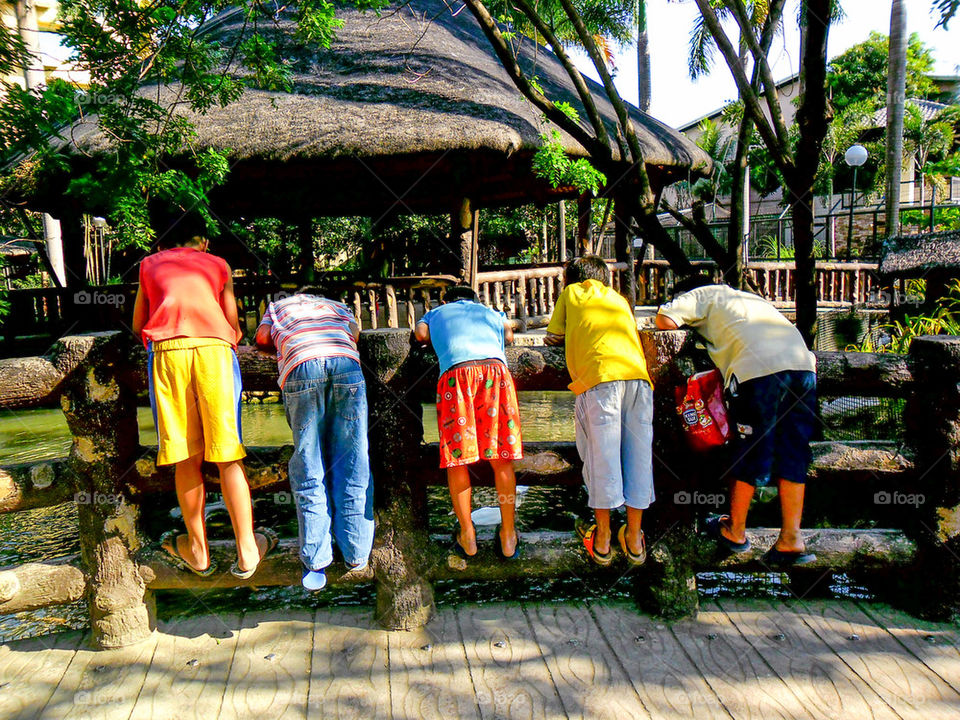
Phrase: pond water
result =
(51, 532)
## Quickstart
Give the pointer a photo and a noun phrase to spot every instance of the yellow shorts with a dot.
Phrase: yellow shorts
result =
(195, 396)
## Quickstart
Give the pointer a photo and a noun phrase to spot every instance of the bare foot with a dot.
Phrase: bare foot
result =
(468, 540)
(728, 533)
(244, 560)
(601, 541)
(196, 556)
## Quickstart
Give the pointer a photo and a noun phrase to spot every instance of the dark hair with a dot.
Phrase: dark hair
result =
(586, 267)
(312, 290)
(691, 282)
(460, 292)
(181, 231)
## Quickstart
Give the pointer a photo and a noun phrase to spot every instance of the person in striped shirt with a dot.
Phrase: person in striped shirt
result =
(315, 340)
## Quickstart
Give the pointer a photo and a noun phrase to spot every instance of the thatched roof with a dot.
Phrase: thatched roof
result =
(912, 255)
(412, 104)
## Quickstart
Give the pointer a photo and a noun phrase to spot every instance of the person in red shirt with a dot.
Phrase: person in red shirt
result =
(186, 314)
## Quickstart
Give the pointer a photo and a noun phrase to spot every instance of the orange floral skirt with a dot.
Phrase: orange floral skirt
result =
(477, 414)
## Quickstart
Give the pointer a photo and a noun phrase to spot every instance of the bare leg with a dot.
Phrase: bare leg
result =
(191, 496)
(236, 496)
(506, 483)
(458, 480)
(741, 494)
(601, 540)
(791, 510)
(634, 532)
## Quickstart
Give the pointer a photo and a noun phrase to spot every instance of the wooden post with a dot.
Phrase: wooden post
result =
(932, 512)
(583, 224)
(561, 232)
(306, 258)
(394, 374)
(463, 235)
(392, 320)
(624, 249)
(102, 416)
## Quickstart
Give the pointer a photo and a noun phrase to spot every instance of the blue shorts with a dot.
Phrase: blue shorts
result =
(773, 419)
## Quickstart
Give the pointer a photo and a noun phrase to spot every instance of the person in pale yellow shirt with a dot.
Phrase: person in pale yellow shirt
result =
(614, 405)
(771, 383)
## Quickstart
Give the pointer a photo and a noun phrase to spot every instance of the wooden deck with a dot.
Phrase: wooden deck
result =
(738, 659)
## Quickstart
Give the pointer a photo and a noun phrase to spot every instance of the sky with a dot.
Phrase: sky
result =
(677, 100)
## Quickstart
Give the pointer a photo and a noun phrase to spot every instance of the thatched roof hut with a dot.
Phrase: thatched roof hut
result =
(408, 111)
(912, 256)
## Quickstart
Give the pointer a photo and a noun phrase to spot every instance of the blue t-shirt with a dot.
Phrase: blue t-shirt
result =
(464, 330)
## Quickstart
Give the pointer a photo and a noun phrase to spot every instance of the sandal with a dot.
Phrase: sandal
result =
(498, 546)
(168, 542)
(457, 547)
(787, 558)
(272, 541)
(634, 559)
(713, 525)
(586, 532)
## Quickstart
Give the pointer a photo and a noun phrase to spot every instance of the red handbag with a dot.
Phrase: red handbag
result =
(702, 411)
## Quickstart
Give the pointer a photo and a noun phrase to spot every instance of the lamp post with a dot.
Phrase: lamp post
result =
(855, 156)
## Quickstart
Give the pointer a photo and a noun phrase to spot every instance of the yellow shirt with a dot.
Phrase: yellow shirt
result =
(602, 343)
(746, 336)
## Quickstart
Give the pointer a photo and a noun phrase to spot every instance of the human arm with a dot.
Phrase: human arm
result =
(228, 303)
(354, 330)
(141, 311)
(665, 323)
(422, 332)
(557, 327)
(507, 332)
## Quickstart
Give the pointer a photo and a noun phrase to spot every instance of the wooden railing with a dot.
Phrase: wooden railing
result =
(914, 490)
(839, 284)
(525, 293)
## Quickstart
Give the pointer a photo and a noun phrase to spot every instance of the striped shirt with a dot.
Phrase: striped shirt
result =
(307, 327)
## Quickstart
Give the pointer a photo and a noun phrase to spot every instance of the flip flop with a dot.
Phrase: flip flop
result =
(713, 531)
(587, 532)
(641, 557)
(168, 542)
(457, 547)
(788, 559)
(498, 546)
(272, 541)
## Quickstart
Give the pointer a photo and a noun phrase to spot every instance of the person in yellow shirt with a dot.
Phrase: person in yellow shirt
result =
(614, 404)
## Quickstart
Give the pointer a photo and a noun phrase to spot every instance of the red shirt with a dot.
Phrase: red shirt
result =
(183, 287)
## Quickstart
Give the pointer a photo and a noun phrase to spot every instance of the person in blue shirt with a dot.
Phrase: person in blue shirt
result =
(477, 411)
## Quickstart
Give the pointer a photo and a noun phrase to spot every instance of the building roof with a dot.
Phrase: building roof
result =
(929, 109)
(912, 255)
(412, 103)
(790, 80)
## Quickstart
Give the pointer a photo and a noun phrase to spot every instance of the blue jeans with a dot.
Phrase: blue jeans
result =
(326, 404)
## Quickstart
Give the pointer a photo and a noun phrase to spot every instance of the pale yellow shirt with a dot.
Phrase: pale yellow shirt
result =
(601, 340)
(746, 336)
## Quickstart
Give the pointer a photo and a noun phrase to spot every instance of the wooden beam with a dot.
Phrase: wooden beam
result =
(37, 585)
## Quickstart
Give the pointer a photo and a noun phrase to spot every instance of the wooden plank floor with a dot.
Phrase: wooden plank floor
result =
(738, 659)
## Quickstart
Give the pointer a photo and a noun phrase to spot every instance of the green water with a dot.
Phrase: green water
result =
(46, 533)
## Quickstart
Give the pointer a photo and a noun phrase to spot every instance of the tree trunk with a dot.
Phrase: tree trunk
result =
(643, 58)
(896, 90)
(813, 118)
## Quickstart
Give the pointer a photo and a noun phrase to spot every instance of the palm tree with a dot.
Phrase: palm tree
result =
(926, 139)
(643, 58)
(896, 89)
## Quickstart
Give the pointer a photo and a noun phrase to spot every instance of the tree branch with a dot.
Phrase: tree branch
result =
(761, 64)
(586, 97)
(510, 64)
(750, 100)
